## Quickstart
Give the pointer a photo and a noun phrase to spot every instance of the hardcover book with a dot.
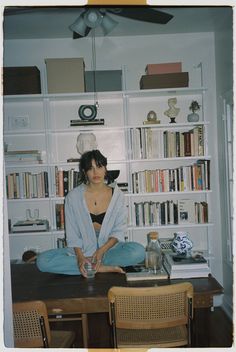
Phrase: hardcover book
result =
(181, 262)
(186, 211)
(180, 267)
(140, 273)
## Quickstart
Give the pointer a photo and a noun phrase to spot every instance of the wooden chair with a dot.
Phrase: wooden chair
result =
(151, 316)
(31, 327)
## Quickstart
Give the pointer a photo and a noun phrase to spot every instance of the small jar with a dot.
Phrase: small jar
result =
(153, 253)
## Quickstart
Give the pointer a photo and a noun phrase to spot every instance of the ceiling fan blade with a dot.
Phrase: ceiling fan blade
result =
(77, 35)
(142, 13)
(21, 10)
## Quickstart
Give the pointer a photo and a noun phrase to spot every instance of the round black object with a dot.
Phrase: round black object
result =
(87, 112)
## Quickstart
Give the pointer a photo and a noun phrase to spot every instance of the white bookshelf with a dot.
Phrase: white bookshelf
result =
(48, 130)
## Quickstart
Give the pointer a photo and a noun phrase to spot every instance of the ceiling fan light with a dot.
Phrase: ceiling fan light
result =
(93, 18)
(108, 24)
(79, 26)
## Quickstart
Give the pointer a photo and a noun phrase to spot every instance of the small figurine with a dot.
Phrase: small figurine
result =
(172, 112)
(151, 118)
(193, 117)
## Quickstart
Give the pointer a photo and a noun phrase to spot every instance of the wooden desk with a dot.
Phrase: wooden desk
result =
(74, 296)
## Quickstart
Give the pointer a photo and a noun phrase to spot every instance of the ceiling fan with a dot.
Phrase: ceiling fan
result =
(94, 17)
(91, 17)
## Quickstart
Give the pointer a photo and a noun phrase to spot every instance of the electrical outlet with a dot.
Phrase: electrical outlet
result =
(19, 122)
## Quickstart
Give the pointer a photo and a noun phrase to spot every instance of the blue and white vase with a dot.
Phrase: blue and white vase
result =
(181, 243)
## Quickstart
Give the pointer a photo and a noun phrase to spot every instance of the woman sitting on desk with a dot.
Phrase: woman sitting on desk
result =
(95, 217)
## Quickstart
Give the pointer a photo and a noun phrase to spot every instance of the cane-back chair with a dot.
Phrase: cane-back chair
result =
(31, 327)
(151, 316)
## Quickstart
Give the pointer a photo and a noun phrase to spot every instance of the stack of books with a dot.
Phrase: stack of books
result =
(28, 156)
(140, 273)
(181, 267)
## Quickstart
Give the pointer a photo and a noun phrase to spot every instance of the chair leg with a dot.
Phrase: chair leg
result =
(113, 323)
(43, 331)
(85, 329)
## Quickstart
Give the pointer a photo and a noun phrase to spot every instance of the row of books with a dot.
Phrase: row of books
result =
(194, 177)
(184, 211)
(66, 180)
(151, 143)
(147, 143)
(181, 144)
(185, 266)
(27, 185)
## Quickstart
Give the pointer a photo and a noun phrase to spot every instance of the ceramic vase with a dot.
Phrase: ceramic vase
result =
(182, 244)
(194, 117)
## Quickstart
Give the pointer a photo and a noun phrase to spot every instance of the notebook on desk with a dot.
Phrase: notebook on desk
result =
(140, 273)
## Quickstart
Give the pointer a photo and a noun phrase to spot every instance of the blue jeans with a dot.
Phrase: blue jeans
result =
(60, 261)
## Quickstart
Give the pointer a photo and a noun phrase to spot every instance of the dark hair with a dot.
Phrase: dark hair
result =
(86, 163)
(29, 256)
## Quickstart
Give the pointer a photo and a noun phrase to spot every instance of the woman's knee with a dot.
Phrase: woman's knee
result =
(136, 250)
(46, 259)
(41, 262)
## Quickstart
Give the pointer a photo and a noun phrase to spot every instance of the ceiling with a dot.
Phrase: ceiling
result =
(53, 22)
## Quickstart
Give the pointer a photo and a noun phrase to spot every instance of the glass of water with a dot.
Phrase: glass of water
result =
(90, 268)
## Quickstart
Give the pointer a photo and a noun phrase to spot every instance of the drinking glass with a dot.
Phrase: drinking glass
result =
(90, 268)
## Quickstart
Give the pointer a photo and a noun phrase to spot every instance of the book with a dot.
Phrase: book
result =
(86, 123)
(195, 268)
(65, 182)
(181, 262)
(140, 273)
(187, 144)
(187, 274)
(186, 211)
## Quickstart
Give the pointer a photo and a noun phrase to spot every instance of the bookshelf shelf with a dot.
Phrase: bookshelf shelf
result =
(24, 132)
(49, 131)
(164, 92)
(25, 165)
(170, 159)
(86, 129)
(174, 226)
(28, 200)
(177, 193)
(42, 233)
(169, 126)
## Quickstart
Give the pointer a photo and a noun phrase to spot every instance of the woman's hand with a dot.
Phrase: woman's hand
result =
(81, 260)
(81, 263)
(97, 258)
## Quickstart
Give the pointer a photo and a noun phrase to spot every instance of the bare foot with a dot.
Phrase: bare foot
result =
(110, 269)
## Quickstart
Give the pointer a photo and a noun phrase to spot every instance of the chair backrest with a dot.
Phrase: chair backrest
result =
(30, 324)
(150, 307)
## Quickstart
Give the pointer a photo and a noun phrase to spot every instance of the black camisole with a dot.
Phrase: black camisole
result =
(99, 217)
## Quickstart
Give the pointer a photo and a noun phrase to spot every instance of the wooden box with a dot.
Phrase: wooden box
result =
(21, 80)
(167, 80)
(169, 67)
(65, 75)
(106, 80)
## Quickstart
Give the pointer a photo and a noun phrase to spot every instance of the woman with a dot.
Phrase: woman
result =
(95, 217)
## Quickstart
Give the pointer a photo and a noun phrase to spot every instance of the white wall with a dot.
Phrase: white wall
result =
(135, 53)
(224, 83)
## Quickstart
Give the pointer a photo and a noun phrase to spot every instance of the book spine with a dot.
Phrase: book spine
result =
(187, 143)
(60, 184)
(65, 182)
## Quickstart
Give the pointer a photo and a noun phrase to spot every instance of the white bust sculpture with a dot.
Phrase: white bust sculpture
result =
(172, 112)
(86, 142)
